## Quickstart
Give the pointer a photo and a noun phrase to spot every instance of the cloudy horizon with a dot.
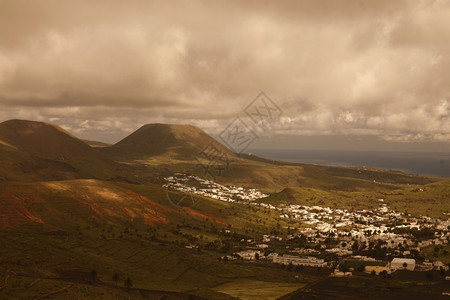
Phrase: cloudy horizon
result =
(375, 69)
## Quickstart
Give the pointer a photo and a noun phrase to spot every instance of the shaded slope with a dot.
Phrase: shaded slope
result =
(177, 141)
(40, 151)
(45, 140)
(17, 165)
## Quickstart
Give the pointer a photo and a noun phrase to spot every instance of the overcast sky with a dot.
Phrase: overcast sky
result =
(378, 69)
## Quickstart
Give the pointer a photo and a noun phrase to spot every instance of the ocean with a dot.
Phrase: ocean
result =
(423, 163)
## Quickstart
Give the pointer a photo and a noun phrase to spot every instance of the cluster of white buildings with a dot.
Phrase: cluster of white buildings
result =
(208, 188)
(308, 261)
(365, 226)
(321, 223)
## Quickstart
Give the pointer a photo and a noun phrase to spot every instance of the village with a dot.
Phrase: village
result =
(208, 188)
(381, 240)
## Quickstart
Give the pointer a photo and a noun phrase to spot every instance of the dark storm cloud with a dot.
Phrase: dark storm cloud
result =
(334, 67)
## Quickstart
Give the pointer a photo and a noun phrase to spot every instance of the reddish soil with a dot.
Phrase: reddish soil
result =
(196, 213)
(24, 203)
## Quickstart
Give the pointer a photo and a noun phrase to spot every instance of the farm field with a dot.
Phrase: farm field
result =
(253, 290)
(413, 285)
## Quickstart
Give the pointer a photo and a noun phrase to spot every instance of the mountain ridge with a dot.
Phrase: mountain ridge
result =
(43, 139)
(33, 150)
(156, 139)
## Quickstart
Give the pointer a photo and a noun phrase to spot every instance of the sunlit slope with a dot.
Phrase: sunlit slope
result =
(430, 199)
(61, 204)
(273, 176)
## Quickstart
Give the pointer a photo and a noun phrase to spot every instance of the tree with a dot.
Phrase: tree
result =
(344, 268)
(93, 274)
(414, 253)
(355, 246)
(290, 266)
(128, 283)
(115, 278)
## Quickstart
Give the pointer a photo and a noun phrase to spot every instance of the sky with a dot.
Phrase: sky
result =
(344, 74)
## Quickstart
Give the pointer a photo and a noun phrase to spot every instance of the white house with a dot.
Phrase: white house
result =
(299, 261)
(249, 254)
(403, 263)
(271, 256)
(262, 246)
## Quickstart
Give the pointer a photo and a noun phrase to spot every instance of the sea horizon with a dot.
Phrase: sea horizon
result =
(436, 164)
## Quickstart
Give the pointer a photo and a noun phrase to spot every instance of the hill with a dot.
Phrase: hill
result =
(40, 151)
(285, 196)
(45, 140)
(182, 142)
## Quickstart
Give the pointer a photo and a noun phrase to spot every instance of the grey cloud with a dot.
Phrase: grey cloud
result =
(334, 67)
